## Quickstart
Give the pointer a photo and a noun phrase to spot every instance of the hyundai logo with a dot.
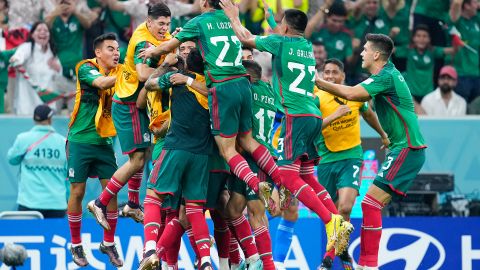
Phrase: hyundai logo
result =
(408, 245)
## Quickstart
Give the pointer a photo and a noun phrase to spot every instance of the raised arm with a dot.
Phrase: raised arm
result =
(231, 11)
(316, 21)
(152, 82)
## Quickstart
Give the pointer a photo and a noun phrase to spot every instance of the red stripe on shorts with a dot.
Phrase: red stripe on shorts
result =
(216, 119)
(397, 164)
(156, 168)
(288, 138)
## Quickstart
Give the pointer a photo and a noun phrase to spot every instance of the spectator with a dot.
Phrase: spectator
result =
(320, 54)
(335, 37)
(38, 59)
(465, 19)
(68, 24)
(24, 13)
(4, 62)
(444, 101)
(433, 13)
(41, 154)
(420, 61)
(396, 14)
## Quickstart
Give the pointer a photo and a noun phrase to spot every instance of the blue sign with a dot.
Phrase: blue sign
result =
(407, 243)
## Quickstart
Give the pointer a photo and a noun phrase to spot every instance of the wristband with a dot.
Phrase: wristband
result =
(271, 20)
(189, 81)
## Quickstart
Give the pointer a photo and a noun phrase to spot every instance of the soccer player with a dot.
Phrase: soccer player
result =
(188, 144)
(294, 73)
(241, 195)
(89, 146)
(341, 150)
(229, 95)
(393, 103)
(132, 123)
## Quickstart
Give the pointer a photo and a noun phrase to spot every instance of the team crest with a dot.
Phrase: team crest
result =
(71, 172)
(146, 137)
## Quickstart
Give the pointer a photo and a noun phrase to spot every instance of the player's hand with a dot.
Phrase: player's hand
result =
(266, 9)
(177, 30)
(171, 59)
(54, 64)
(231, 10)
(394, 31)
(385, 142)
(146, 53)
(178, 78)
(342, 111)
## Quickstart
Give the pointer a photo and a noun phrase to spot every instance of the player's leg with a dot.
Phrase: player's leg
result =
(307, 174)
(259, 223)
(283, 238)
(107, 246)
(394, 178)
(131, 125)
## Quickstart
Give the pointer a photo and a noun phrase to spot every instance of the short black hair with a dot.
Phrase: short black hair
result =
(98, 41)
(336, 62)
(195, 61)
(180, 65)
(421, 27)
(382, 43)
(296, 19)
(317, 43)
(247, 48)
(159, 10)
(214, 3)
(466, 2)
(338, 9)
(253, 68)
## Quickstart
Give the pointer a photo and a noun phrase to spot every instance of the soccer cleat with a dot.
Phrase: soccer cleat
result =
(272, 207)
(359, 267)
(240, 266)
(206, 266)
(99, 211)
(134, 213)
(150, 262)
(79, 256)
(264, 193)
(256, 265)
(285, 197)
(112, 254)
(333, 228)
(346, 260)
(346, 228)
(327, 263)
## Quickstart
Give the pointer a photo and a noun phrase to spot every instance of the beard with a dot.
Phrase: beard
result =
(445, 88)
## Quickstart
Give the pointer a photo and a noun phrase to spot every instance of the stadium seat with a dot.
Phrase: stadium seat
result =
(21, 215)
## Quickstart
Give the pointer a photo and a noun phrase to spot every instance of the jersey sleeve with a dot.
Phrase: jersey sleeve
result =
(269, 44)
(364, 107)
(138, 47)
(378, 84)
(164, 81)
(190, 31)
(87, 73)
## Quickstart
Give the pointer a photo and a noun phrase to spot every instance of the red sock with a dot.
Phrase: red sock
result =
(303, 191)
(191, 238)
(330, 254)
(133, 187)
(239, 167)
(306, 173)
(151, 221)
(371, 231)
(244, 235)
(264, 245)
(234, 256)
(113, 187)
(112, 218)
(221, 234)
(75, 224)
(265, 161)
(199, 228)
(163, 223)
(170, 240)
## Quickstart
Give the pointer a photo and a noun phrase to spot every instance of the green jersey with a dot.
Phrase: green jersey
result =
(437, 9)
(264, 109)
(68, 38)
(220, 47)
(419, 73)
(394, 106)
(83, 129)
(293, 66)
(466, 61)
(338, 45)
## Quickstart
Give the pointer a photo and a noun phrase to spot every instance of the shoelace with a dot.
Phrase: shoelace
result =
(114, 251)
(79, 252)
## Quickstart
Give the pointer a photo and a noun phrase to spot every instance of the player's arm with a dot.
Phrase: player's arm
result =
(104, 82)
(372, 120)
(142, 99)
(89, 74)
(354, 93)
(152, 83)
(164, 48)
(162, 131)
(200, 87)
(316, 21)
(231, 11)
(341, 111)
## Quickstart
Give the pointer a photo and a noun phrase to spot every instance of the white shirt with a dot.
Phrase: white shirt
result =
(434, 105)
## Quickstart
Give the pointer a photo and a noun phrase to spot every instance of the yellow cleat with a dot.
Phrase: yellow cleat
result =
(343, 237)
(333, 229)
(264, 193)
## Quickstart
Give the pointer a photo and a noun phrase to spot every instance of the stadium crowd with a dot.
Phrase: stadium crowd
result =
(42, 41)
